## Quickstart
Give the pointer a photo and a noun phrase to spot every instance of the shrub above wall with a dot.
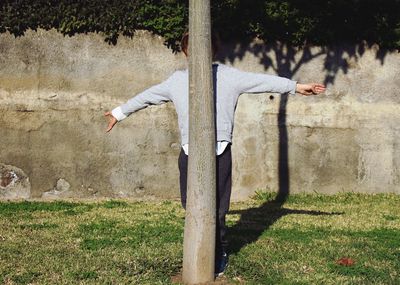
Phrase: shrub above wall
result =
(296, 22)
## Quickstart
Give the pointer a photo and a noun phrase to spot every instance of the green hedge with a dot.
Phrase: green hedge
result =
(296, 22)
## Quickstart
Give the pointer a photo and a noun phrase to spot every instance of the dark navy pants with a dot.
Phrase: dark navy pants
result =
(224, 185)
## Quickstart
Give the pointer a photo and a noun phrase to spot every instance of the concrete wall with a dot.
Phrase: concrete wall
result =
(55, 89)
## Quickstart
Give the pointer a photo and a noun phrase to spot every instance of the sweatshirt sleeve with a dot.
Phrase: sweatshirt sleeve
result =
(155, 95)
(249, 82)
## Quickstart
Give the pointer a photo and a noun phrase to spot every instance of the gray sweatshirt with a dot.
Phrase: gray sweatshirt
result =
(230, 83)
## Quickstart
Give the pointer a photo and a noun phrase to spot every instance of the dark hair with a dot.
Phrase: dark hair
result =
(214, 43)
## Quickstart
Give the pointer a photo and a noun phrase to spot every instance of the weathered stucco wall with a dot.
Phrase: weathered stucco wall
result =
(54, 91)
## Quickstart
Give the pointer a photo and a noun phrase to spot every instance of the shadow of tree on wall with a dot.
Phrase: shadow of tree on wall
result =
(344, 30)
(286, 59)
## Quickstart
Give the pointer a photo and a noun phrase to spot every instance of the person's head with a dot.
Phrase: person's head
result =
(214, 44)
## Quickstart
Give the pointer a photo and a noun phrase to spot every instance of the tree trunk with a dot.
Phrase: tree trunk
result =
(199, 236)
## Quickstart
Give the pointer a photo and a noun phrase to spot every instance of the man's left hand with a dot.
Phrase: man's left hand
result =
(310, 88)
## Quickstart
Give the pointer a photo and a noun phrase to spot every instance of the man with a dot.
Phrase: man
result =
(229, 83)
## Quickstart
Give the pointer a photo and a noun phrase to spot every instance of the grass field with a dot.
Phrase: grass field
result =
(120, 242)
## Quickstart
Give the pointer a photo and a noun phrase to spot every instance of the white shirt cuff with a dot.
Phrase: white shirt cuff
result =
(186, 148)
(117, 113)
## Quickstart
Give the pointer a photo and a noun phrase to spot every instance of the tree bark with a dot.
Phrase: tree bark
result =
(199, 234)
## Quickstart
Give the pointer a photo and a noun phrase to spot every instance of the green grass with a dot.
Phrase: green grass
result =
(124, 242)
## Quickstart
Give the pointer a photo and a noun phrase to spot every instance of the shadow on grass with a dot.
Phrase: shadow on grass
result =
(25, 208)
(254, 221)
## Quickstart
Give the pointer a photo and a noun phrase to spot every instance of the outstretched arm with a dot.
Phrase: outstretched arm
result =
(250, 82)
(155, 95)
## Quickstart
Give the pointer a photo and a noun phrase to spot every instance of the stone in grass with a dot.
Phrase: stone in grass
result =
(345, 261)
(14, 183)
(61, 190)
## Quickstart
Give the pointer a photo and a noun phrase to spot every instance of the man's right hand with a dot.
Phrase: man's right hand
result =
(111, 121)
